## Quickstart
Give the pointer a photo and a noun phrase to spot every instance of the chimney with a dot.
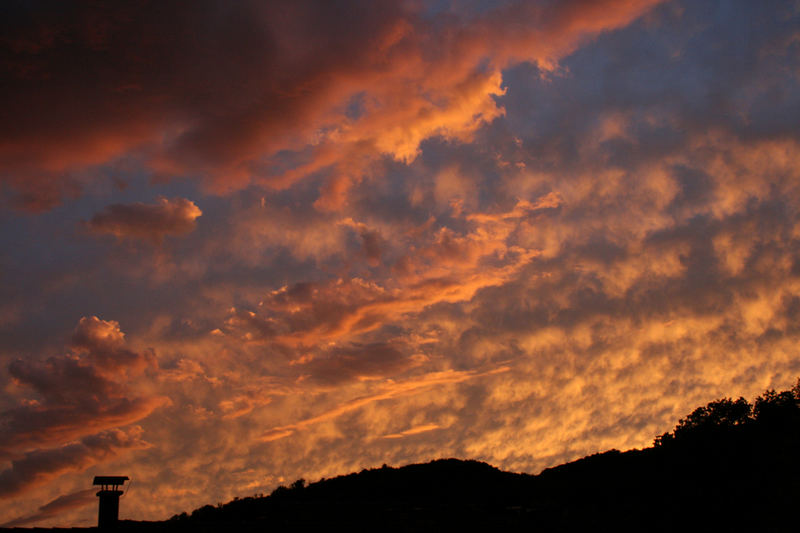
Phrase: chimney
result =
(109, 494)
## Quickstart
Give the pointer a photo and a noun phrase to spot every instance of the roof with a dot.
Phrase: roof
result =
(110, 480)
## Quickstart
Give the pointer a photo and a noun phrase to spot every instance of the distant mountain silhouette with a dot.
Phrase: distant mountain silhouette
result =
(728, 466)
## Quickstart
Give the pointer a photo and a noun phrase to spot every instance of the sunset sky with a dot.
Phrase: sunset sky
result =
(247, 242)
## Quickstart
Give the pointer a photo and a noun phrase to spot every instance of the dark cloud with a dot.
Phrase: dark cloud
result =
(89, 84)
(40, 466)
(76, 401)
(369, 361)
(77, 394)
(135, 76)
(59, 505)
(146, 221)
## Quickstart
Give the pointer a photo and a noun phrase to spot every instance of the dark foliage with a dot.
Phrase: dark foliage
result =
(727, 466)
(770, 412)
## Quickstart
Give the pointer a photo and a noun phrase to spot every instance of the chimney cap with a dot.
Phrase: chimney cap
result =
(110, 480)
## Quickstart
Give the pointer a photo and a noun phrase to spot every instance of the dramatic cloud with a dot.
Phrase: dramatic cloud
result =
(77, 393)
(76, 401)
(444, 265)
(345, 80)
(77, 416)
(146, 221)
(518, 232)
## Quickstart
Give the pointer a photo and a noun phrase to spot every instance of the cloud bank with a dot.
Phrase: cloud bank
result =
(79, 415)
(342, 81)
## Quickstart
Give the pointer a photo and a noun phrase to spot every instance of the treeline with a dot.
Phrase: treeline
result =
(772, 411)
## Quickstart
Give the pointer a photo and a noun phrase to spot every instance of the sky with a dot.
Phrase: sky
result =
(243, 243)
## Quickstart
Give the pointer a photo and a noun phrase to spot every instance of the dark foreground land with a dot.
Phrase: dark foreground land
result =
(728, 466)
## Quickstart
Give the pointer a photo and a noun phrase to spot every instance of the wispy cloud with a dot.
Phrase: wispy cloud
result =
(411, 431)
(387, 391)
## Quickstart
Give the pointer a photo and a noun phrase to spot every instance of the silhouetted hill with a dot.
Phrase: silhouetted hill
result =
(728, 466)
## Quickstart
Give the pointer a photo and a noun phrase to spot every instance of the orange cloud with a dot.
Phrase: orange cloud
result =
(388, 390)
(449, 267)
(103, 342)
(411, 431)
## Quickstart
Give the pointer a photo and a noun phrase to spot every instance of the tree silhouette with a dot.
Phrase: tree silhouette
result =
(777, 406)
(713, 419)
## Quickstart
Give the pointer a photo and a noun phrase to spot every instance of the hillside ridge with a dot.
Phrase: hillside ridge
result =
(734, 461)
